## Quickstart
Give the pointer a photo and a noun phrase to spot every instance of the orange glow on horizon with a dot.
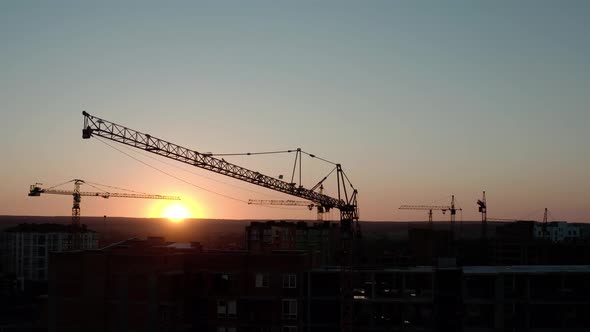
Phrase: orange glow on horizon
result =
(176, 212)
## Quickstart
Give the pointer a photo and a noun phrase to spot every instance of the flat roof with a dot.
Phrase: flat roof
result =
(526, 269)
(44, 228)
(505, 269)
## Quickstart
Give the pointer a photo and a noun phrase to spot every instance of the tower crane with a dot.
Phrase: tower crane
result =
(74, 237)
(483, 209)
(289, 202)
(430, 208)
(346, 202)
(309, 205)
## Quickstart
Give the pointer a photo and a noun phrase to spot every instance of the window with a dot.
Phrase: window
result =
(285, 235)
(226, 309)
(222, 282)
(289, 328)
(289, 309)
(289, 281)
(262, 280)
(267, 235)
(226, 329)
(254, 235)
(231, 309)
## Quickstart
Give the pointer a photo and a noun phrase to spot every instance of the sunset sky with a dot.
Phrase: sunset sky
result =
(417, 100)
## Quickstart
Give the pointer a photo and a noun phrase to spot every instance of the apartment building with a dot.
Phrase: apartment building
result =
(319, 239)
(154, 285)
(557, 231)
(25, 248)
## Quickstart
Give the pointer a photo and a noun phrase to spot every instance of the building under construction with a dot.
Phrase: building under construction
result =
(25, 248)
(154, 285)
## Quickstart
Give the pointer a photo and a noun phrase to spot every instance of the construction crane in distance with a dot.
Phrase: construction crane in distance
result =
(346, 202)
(430, 208)
(483, 209)
(288, 202)
(74, 237)
(309, 205)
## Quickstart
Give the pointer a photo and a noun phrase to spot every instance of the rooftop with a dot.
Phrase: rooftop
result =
(44, 228)
(526, 269)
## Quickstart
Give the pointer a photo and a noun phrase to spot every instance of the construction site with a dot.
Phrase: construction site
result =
(288, 276)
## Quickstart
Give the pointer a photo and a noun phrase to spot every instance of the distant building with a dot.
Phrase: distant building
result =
(557, 231)
(271, 235)
(25, 248)
(320, 239)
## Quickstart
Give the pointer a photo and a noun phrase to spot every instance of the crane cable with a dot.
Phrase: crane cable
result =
(97, 188)
(246, 153)
(183, 180)
(59, 185)
(94, 185)
(551, 216)
(199, 175)
(172, 175)
(233, 185)
(112, 187)
(268, 152)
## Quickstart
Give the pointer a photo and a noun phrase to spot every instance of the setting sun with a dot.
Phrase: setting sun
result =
(176, 212)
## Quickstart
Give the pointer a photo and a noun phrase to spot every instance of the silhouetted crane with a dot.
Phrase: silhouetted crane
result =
(483, 209)
(310, 205)
(346, 201)
(74, 238)
(430, 208)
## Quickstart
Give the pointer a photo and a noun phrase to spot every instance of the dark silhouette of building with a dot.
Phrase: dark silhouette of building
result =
(155, 285)
(25, 248)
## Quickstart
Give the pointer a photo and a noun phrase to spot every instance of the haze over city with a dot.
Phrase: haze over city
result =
(417, 101)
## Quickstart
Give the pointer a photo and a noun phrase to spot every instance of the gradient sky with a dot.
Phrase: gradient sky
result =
(417, 100)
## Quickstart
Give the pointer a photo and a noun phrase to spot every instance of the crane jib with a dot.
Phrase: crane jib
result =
(127, 136)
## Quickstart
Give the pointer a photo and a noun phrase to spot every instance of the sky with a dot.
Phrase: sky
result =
(418, 100)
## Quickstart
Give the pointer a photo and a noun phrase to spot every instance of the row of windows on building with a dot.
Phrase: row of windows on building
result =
(569, 232)
(51, 241)
(267, 235)
(286, 328)
(284, 234)
(227, 309)
(263, 280)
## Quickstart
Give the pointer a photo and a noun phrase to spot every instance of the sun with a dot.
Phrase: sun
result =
(176, 212)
